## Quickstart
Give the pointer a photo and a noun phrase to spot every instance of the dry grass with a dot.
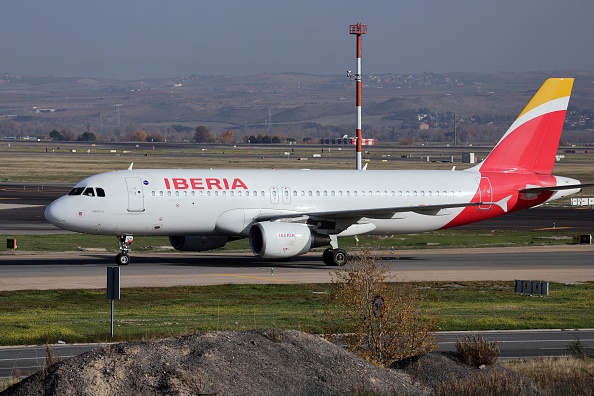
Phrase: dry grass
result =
(30, 163)
(557, 376)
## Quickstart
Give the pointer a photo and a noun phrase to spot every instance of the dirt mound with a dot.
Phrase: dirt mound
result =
(260, 362)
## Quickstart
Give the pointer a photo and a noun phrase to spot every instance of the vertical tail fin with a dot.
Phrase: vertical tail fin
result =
(530, 144)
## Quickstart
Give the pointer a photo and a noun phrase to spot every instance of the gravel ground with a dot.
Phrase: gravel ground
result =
(259, 362)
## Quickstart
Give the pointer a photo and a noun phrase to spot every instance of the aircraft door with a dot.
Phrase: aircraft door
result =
(135, 194)
(274, 195)
(486, 193)
(286, 191)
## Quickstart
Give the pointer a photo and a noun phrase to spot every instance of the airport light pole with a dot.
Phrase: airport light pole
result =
(359, 29)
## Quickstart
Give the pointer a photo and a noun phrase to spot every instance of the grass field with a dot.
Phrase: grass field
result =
(37, 317)
(30, 163)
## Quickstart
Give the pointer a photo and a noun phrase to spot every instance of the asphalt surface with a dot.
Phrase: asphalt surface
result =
(567, 263)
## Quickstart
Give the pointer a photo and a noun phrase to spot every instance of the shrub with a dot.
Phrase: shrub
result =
(475, 350)
(577, 349)
(384, 323)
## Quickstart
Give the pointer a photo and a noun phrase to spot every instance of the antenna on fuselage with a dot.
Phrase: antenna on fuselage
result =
(131, 165)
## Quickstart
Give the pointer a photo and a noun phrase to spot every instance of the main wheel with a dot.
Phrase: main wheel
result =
(339, 257)
(327, 256)
(122, 259)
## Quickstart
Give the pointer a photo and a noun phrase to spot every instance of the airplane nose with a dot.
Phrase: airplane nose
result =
(55, 213)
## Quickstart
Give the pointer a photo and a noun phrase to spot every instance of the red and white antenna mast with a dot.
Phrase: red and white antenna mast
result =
(358, 29)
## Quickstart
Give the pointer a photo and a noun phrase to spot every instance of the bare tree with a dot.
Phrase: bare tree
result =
(385, 321)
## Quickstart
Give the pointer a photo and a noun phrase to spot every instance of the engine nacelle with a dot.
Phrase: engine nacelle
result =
(197, 243)
(271, 239)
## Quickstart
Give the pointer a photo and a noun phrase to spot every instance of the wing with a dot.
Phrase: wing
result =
(379, 213)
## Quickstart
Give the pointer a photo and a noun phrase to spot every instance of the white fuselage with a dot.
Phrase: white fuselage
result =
(215, 202)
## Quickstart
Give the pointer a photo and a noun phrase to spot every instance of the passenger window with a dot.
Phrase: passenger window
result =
(101, 192)
(153, 193)
(160, 193)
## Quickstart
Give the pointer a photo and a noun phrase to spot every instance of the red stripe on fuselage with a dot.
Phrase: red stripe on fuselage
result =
(502, 186)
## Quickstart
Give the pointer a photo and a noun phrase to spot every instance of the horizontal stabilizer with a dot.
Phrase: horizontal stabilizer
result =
(556, 188)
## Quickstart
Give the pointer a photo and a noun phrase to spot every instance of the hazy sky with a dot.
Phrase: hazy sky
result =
(125, 39)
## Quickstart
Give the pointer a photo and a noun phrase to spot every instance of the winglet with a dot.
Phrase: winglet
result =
(131, 165)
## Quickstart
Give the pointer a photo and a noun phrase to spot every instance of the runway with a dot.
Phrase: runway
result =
(567, 264)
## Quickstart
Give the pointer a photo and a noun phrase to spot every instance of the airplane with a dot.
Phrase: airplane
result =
(285, 213)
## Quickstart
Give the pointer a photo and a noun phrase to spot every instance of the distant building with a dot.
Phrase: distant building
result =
(349, 141)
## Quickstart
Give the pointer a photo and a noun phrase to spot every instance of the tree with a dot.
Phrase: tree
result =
(68, 134)
(227, 137)
(140, 136)
(57, 135)
(88, 137)
(385, 322)
(202, 135)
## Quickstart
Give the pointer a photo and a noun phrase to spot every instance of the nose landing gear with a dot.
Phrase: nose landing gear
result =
(125, 241)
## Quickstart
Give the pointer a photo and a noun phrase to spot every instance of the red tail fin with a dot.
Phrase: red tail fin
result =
(530, 144)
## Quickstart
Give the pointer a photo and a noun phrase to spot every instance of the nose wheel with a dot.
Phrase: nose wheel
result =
(123, 258)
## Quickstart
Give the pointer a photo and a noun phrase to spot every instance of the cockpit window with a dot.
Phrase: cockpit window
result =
(88, 191)
(76, 191)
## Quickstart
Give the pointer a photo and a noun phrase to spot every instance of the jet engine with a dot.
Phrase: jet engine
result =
(271, 239)
(197, 243)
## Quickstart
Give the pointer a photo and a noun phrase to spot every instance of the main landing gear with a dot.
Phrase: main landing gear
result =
(122, 258)
(336, 257)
